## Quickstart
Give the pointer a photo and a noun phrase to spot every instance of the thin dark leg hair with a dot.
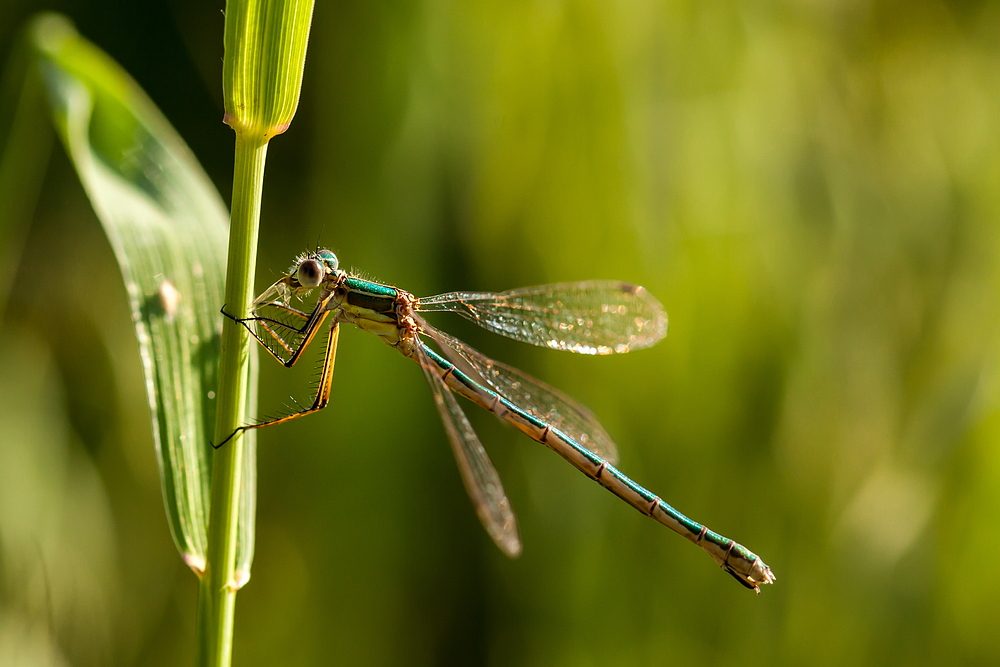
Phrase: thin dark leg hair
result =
(322, 398)
(308, 330)
(312, 325)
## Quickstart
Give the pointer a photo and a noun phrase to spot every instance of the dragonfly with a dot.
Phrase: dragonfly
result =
(592, 317)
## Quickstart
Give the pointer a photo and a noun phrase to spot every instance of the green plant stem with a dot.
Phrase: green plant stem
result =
(217, 593)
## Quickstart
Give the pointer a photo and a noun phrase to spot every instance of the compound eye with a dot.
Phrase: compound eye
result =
(328, 258)
(310, 273)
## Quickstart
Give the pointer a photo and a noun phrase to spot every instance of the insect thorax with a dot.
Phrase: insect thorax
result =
(378, 309)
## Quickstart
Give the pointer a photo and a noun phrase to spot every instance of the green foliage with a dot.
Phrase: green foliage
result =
(265, 44)
(167, 228)
(262, 70)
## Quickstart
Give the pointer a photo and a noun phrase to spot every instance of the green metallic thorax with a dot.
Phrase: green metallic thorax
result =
(372, 307)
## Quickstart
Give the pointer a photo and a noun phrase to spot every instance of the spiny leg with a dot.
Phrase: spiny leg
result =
(308, 330)
(322, 398)
(265, 323)
(270, 304)
(285, 307)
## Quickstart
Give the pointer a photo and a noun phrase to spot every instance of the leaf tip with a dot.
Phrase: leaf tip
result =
(239, 580)
(50, 31)
(196, 562)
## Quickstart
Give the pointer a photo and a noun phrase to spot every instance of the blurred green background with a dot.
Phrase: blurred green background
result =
(811, 189)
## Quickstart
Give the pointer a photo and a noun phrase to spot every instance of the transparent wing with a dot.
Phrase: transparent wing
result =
(279, 292)
(278, 325)
(531, 395)
(480, 477)
(592, 317)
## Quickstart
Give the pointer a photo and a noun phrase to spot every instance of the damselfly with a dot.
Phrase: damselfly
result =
(593, 317)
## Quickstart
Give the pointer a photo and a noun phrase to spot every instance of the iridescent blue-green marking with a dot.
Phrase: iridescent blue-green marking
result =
(594, 317)
(726, 551)
(367, 287)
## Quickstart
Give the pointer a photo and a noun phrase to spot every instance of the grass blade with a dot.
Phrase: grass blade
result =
(168, 228)
(265, 46)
